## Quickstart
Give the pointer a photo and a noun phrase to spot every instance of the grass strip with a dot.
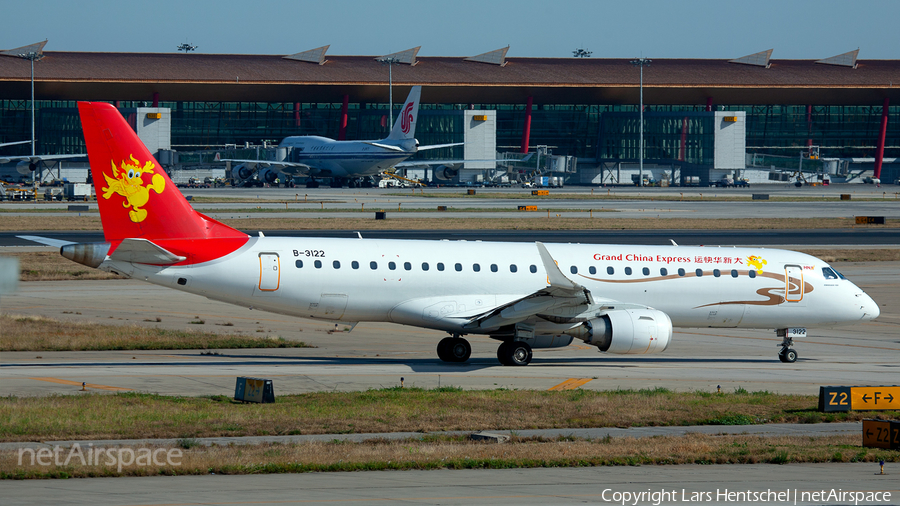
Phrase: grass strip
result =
(137, 415)
(461, 453)
(36, 333)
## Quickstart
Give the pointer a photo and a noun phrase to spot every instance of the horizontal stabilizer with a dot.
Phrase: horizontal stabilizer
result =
(56, 243)
(439, 146)
(142, 251)
(386, 146)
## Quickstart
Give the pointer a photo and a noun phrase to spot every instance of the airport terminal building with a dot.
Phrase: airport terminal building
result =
(843, 111)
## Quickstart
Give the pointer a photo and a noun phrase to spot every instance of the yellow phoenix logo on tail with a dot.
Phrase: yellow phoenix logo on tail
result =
(128, 183)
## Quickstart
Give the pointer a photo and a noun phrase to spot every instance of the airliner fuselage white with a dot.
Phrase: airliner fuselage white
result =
(508, 291)
(621, 299)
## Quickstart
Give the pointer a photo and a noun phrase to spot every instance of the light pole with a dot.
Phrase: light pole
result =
(33, 57)
(641, 62)
(390, 61)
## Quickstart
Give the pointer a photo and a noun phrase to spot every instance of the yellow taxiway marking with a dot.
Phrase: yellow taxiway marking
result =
(571, 384)
(77, 384)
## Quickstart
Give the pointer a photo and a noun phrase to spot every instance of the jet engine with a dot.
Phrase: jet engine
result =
(25, 168)
(241, 172)
(446, 172)
(627, 331)
(268, 176)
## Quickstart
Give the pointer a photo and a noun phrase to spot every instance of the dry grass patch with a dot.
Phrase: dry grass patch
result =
(62, 222)
(51, 266)
(460, 453)
(134, 415)
(540, 221)
(536, 221)
(36, 333)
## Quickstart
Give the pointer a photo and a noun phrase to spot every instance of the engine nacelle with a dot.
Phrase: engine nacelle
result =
(241, 172)
(268, 175)
(445, 172)
(627, 331)
(26, 168)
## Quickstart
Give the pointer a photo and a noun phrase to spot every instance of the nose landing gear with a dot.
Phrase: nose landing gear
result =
(787, 354)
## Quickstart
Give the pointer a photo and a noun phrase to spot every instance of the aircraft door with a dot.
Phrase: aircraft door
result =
(793, 278)
(269, 272)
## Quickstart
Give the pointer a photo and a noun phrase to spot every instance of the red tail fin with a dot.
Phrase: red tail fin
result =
(135, 195)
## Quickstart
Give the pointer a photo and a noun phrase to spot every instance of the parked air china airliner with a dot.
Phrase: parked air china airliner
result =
(621, 299)
(345, 162)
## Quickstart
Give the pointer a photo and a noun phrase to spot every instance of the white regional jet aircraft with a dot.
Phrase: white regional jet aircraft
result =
(621, 299)
(344, 161)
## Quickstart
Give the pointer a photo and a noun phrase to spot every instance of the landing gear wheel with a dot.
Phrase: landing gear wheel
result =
(788, 356)
(514, 353)
(454, 349)
(312, 183)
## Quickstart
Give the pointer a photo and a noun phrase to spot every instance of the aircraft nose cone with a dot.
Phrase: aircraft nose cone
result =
(868, 307)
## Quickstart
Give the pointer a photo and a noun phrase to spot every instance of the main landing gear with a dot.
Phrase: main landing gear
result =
(454, 349)
(787, 354)
(514, 353)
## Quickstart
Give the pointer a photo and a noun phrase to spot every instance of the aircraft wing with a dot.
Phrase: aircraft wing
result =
(38, 158)
(560, 292)
(13, 143)
(289, 168)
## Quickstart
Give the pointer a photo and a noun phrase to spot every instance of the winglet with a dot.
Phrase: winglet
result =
(555, 277)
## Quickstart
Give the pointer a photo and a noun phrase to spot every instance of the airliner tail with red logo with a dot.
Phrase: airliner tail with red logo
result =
(526, 295)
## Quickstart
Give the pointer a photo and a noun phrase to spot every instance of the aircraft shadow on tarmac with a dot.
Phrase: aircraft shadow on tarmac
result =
(424, 365)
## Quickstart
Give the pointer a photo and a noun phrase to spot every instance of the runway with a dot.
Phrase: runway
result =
(376, 355)
(540, 486)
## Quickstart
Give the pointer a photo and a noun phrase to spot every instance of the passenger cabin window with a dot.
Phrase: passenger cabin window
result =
(318, 264)
(440, 266)
(681, 272)
(494, 268)
(424, 266)
(336, 264)
(354, 264)
(373, 265)
(533, 269)
(513, 268)
(299, 264)
(646, 271)
(476, 267)
(573, 270)
(752, 273)
(628, 271)
(699, 273)
(717, 272)
(458, 267)
(663, 271)
(610, 271)
(829, 273)
(407, 266)
(392, 266)
(734, 273)
(592, 269)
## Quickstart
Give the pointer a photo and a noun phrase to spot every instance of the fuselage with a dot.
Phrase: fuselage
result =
(443, 284)
(346, 158)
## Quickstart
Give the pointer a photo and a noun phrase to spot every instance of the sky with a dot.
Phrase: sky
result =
(609, 29)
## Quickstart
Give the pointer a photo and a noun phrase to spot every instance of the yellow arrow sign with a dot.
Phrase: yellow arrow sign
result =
(868, 398)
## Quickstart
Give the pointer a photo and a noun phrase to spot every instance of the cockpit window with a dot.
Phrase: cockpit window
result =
(831, 273)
